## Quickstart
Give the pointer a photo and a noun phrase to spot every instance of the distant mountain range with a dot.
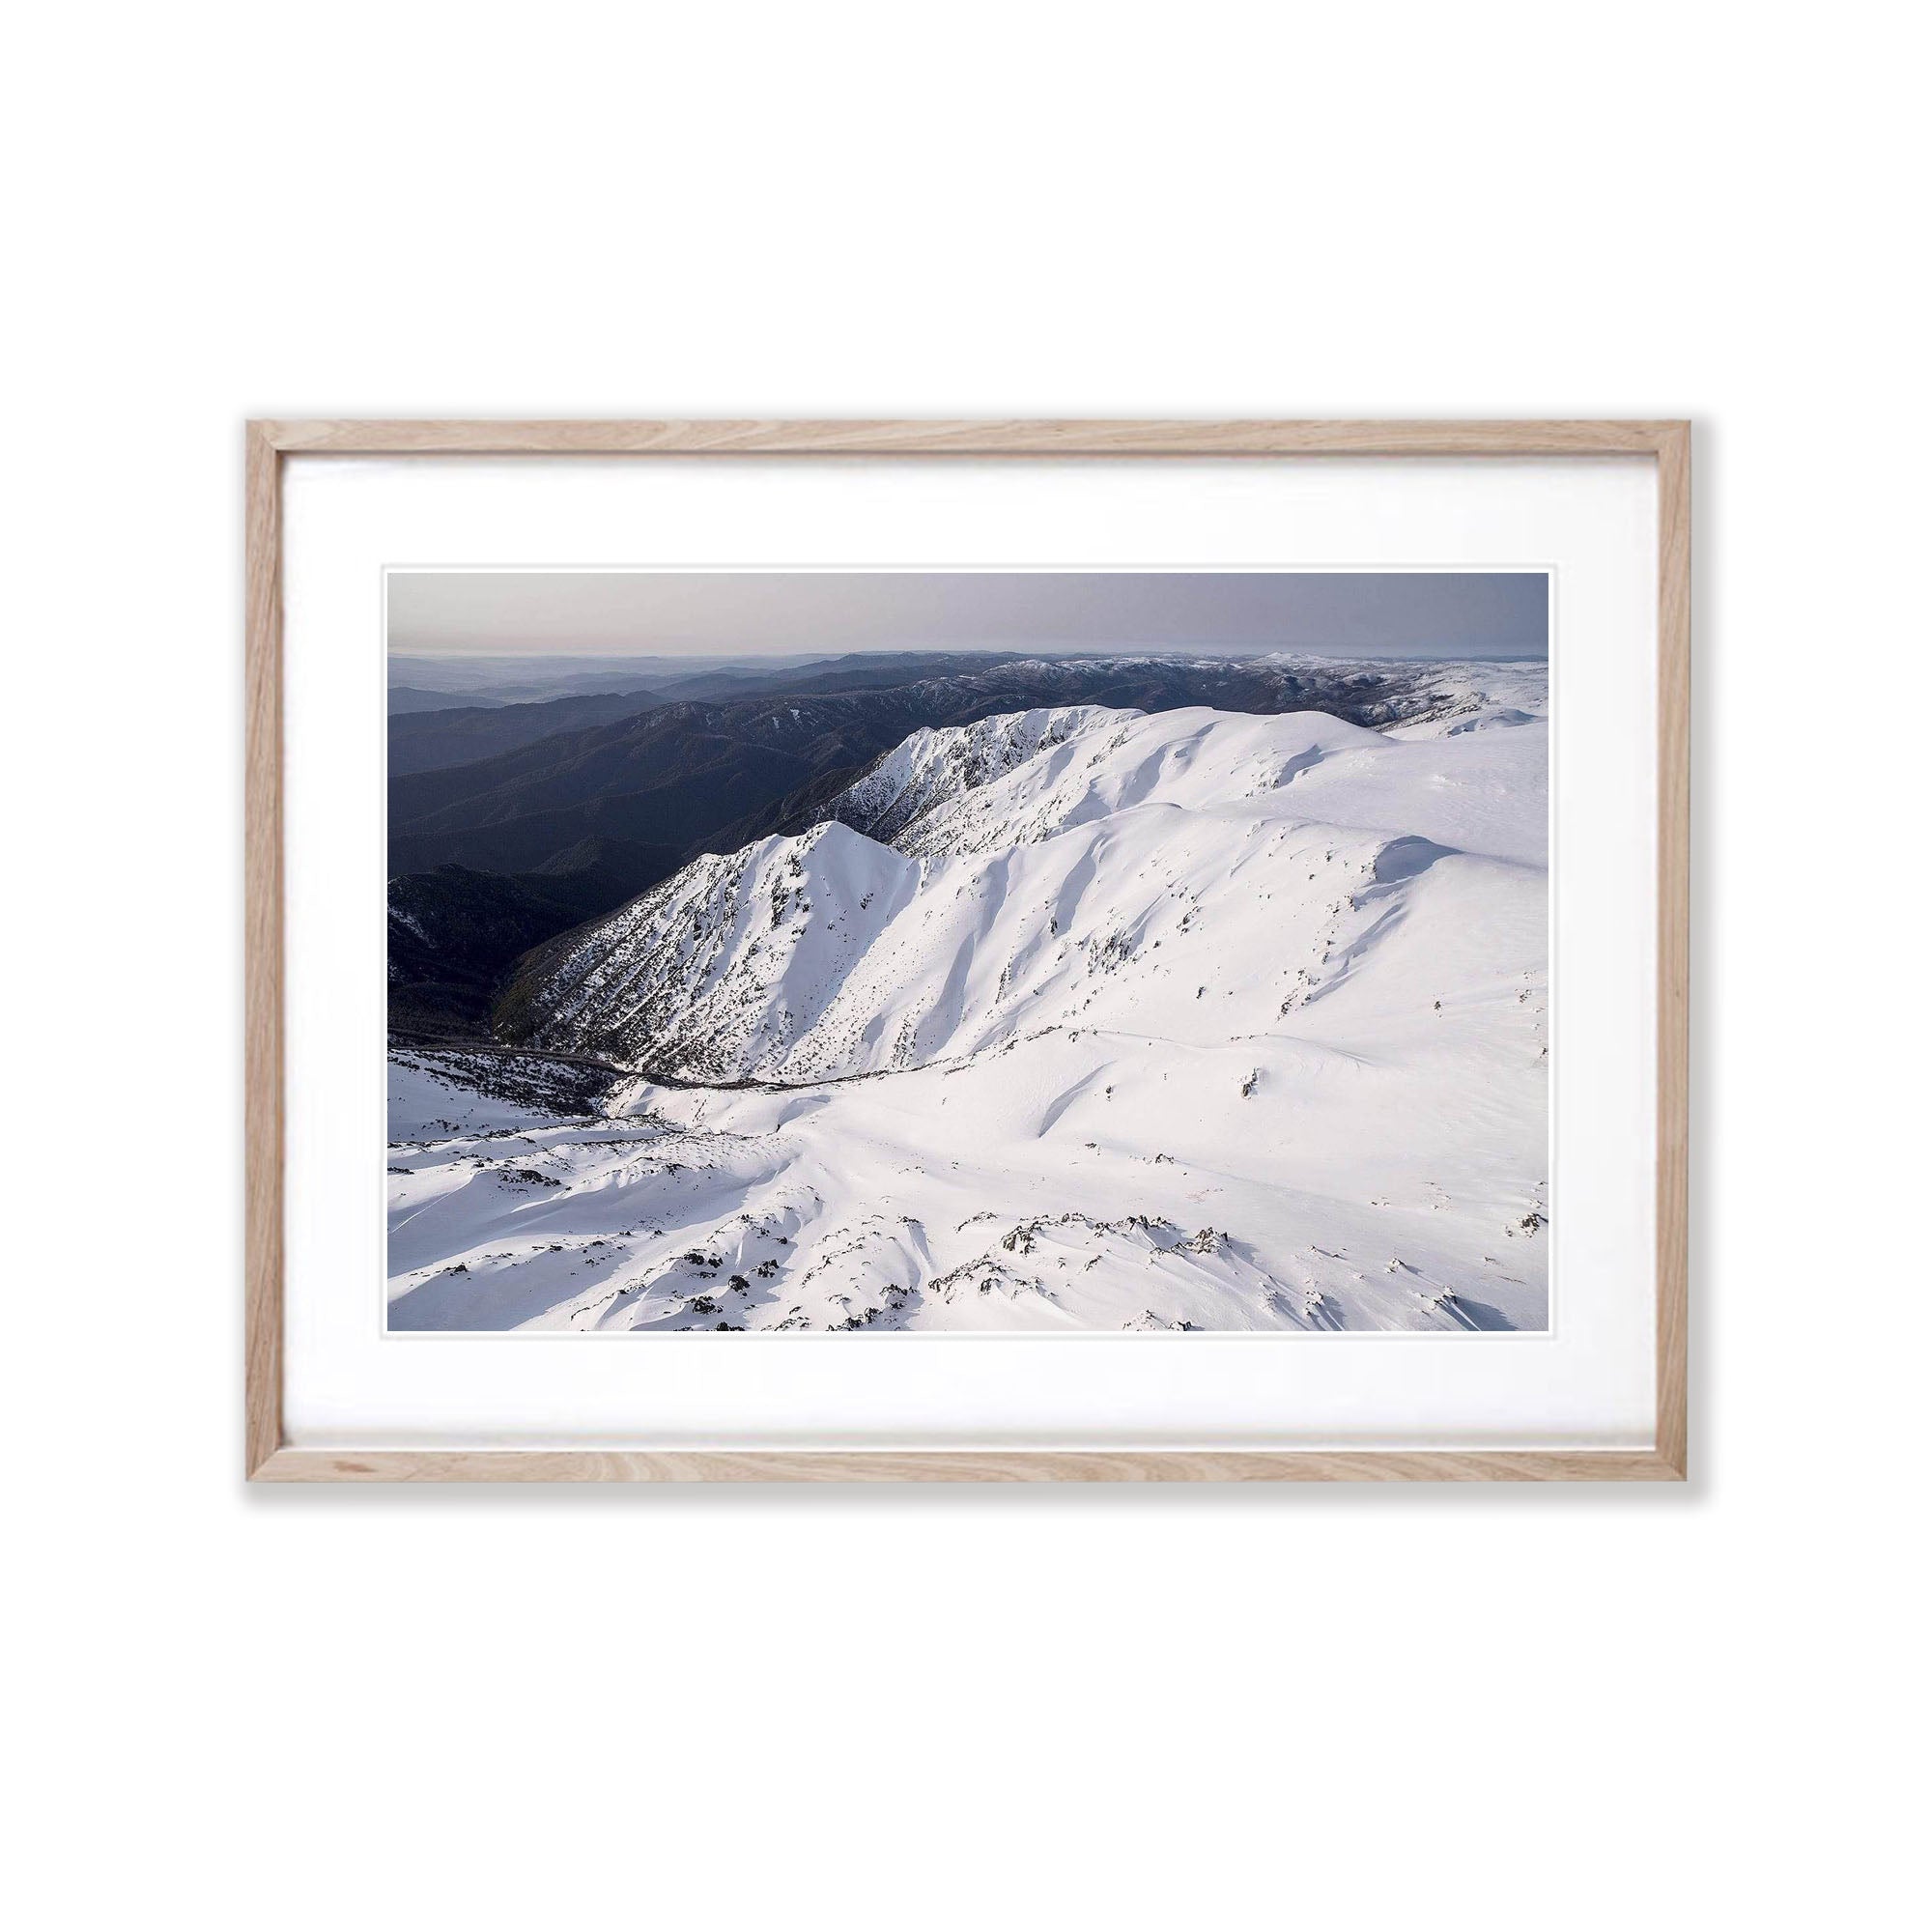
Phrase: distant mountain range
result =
(424, 740)
(408, 699)
(511, 823)
(531, 680)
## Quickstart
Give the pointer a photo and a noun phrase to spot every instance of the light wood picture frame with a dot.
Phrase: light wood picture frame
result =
(269, 1457)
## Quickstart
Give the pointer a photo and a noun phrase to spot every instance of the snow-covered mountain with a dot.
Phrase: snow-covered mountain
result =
(1074, 1017)
(933, 767)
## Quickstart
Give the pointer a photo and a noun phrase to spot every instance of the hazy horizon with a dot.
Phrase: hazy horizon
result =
(791, 615)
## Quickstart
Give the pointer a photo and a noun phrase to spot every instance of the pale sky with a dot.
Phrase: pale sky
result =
(745, 613)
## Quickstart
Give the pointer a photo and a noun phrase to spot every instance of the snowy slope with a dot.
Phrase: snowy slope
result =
(1198, 1019)
(1042, 898)
(933, 767)
(1447, 698)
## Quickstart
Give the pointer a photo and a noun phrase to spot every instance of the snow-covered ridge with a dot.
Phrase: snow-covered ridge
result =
(1194, 759)
(1450, 700)
(933, 768)
(1037, 898)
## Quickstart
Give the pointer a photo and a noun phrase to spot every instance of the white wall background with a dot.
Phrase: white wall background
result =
(1213, 1709)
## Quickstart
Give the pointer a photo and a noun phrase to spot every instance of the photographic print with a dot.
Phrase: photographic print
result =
(881, 952)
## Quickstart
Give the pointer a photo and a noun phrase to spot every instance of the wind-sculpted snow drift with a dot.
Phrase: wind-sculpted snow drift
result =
(1075, 1018)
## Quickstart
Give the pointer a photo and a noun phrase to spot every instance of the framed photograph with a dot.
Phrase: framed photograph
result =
(967, 951)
